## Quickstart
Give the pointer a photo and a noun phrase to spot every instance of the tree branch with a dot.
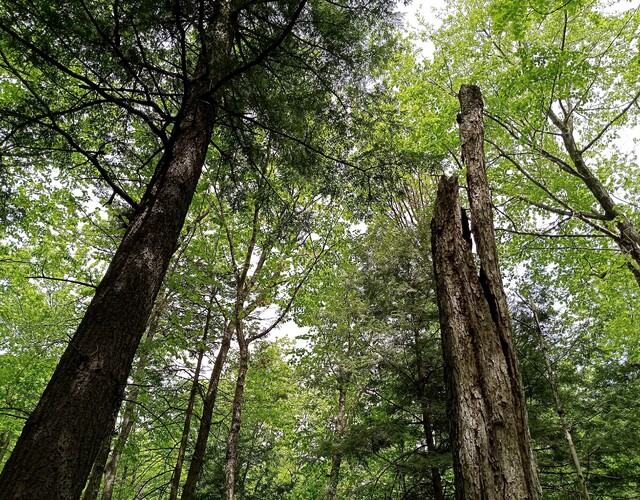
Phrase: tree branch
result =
(263, 55)
(51, 278)
(611, 122)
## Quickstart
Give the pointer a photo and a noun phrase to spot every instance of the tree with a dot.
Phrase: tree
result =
(375, 361)
(557, 102)
(579, 354)
(269, 130)
(400, 290)
(490, 436)
(173, 93)
(267, 220)
(60, 440)
(339, 341)
(557, 402)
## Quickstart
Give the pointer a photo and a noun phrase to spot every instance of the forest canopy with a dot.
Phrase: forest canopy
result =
(216, 261)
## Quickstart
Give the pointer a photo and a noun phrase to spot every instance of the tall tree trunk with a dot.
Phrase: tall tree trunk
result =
(177, 471)
(123, 480)
(436, 478)
(493, 458)
(557, 403)
(128, 413)
(197, 459)
(236, 419)
(62, 437)
(336, 456)
(95, 478)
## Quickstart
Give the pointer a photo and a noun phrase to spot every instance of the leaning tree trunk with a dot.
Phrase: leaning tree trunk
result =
(197, 459)
(628, 237)
(557, 403)
(493, 458)
(182, 449)
(338, 433)
(62, 437)
(236, 419)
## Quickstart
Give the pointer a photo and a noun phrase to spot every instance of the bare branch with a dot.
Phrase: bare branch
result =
(611, 122)
(66, 280)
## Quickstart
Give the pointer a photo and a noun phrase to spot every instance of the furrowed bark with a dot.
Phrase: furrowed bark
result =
(493, 458)
(62, 437)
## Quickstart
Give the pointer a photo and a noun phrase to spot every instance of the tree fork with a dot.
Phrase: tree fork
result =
(489, 430)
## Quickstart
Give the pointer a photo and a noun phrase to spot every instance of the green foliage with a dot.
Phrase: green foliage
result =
(342, 124)
(596, 383)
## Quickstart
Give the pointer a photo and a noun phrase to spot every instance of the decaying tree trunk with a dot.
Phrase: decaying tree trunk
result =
(489, 430)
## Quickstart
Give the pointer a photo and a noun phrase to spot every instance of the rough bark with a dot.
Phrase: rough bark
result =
(197, 459)
(95, 479)
(236, 419)
(128, 413)
(493, 458)
(336, 457)
(62, 437)
(436, 478)
(558, 406)
(177, 471)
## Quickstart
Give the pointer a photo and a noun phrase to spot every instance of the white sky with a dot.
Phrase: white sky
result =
(420, 9)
